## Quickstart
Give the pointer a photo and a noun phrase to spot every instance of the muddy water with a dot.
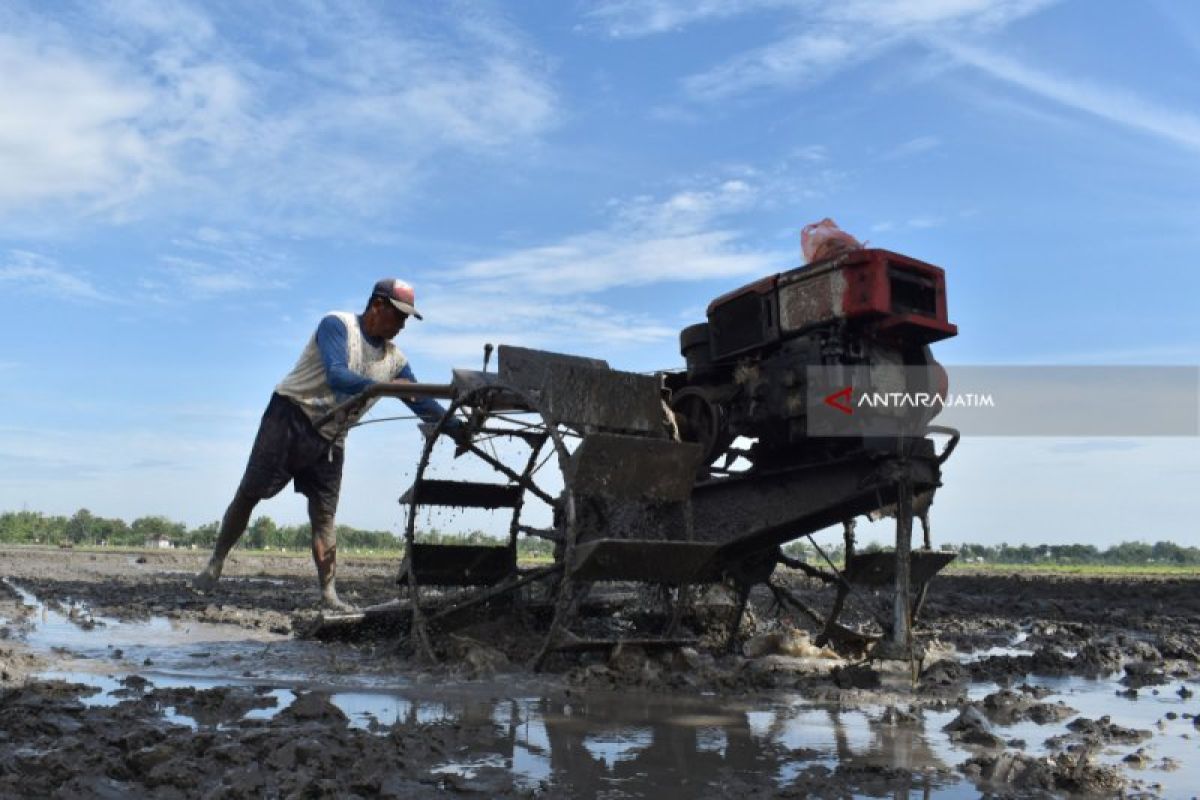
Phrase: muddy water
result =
(1177, 739)
(550, 736)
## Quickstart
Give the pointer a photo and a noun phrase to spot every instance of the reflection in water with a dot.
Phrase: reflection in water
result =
(649, 745)
(592, 743)
(76, 629)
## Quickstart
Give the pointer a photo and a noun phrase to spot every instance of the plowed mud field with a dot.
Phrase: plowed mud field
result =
(118, 680)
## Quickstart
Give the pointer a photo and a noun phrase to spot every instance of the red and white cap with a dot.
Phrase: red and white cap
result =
(400, 294)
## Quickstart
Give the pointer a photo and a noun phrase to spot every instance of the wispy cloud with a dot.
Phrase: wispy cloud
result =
(676, 239)
(128, 108)
(33, 273)
(635, 18)
(548, 294)
(822, 39)
(67, 128)
(1115, 105)
(197, 277)
(795, 61)
(913, 147)
(461, 322)
(212, 261)
(593, 262)
(818, 39)
(913, 223)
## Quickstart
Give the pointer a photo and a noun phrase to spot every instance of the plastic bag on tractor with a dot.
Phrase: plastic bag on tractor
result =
(824, 239)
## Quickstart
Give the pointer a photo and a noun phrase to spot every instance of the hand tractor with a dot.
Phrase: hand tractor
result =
(699, 475)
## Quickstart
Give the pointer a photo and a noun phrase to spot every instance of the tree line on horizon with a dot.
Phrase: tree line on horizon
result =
(1123, 554)
(86, 528)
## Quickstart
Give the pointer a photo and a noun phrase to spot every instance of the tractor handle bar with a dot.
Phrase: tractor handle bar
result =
(954, 435)
(438, 391)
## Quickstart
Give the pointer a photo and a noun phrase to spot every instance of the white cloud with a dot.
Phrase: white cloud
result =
(915, 146)
(213, 261)
(200, 278)
(797, 60)
(546, 295)
(634, 18)
(813, 153)
(67, 126)
(1114, 105)
(30, 272)
(497, 104)
(676, 239)
(593, 262)
(827, 38)
(819, 38)
(913, 223)
(978, 15)
(687, 211)
(131, 107)
(458, 324)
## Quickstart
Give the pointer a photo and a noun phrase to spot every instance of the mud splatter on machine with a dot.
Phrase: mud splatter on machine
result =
(696, 476)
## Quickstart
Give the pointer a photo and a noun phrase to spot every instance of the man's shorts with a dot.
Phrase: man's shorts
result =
(288, 448)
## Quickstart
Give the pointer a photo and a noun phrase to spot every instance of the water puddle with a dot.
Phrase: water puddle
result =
(1005, 651)
(90, 636)
(166, 650)
(590, 742)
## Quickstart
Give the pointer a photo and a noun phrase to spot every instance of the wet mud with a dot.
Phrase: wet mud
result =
(118, 680)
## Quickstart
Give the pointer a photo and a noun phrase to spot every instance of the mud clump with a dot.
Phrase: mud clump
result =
(475, 659)
(869, 780)
(1086, 735)
(1096, 659)
(786, 641)
(1007, 707)
(1141, 674)
(220, 705)
(16, 665)
(1063, 773)
(972, 727)
(944, 677)
(1183, 648)
(54, 745)
(856, 676)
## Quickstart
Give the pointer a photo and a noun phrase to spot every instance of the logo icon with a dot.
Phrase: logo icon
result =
(841, 400)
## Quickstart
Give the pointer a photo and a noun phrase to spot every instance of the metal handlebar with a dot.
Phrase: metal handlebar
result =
(954, 435)
(438, 391)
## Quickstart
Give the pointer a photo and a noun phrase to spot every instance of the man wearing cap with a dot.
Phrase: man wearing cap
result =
(348, 353)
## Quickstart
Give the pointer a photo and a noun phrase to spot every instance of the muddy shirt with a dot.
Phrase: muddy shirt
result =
(332, 342)
(339, 361)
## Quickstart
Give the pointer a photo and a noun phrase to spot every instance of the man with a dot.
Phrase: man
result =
(347, 354)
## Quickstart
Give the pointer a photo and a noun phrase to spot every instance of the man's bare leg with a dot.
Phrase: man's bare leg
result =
(324, 550)
(233, 525)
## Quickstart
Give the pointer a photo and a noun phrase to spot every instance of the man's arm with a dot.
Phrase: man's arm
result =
(331, 341)
(428, 409)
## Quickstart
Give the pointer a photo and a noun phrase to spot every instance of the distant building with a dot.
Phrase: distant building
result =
(160, 541)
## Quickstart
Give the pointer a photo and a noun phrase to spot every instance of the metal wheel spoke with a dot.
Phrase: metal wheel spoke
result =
(541, 464)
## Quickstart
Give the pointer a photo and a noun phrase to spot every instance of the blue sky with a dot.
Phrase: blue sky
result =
(186, 187)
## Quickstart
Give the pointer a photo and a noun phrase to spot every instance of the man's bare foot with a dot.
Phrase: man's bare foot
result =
(331, 602)
(206, 581)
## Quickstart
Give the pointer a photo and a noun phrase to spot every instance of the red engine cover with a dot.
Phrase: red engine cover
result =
(900, 297)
